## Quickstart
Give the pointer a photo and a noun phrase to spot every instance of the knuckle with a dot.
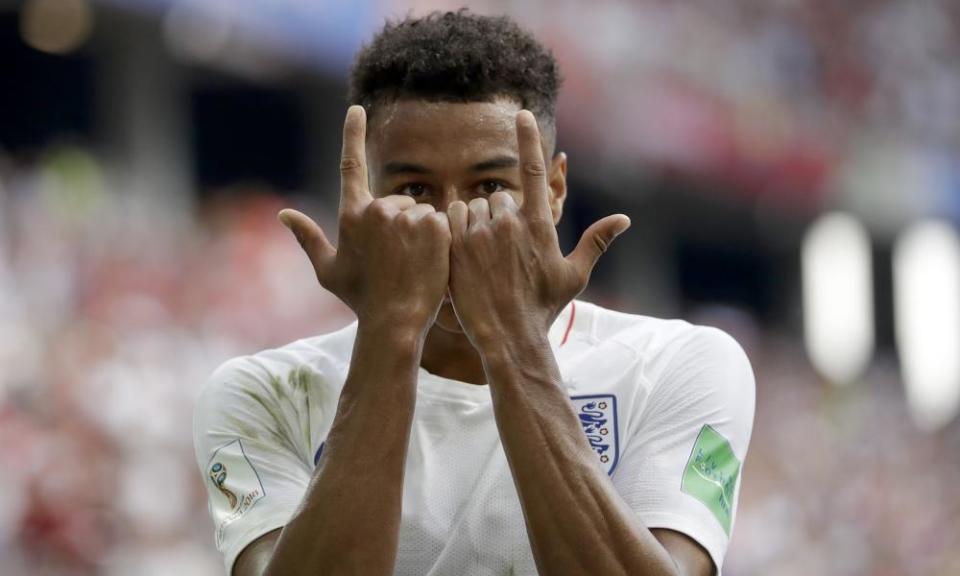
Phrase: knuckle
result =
(481, 232)
(378, 210)
(505, 223)
(349, 218)
(438, 226)
(539, 226)
(600, 243)
(348, 164)
(435, 219)
(500, 196)
(534, 168)
(405, 219)
(425, 210)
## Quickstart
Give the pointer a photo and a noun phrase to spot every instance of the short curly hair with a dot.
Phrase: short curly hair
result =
(457, 57)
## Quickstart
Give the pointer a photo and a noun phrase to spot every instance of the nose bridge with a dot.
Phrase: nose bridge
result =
(449, 193)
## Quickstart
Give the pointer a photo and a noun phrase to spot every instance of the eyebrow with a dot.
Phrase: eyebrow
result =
(393, 168)
(495, 164)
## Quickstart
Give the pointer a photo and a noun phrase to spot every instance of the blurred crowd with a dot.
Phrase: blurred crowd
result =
(800, 103)
(839, 481)
(112, 314)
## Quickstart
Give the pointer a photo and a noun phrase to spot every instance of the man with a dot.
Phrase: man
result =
(474, 420)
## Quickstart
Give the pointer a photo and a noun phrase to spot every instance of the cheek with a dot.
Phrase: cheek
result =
(517, 197)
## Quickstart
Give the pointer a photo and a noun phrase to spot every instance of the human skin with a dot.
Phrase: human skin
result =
(491, 288)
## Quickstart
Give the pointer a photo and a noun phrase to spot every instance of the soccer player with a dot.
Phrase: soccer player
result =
(475, 419)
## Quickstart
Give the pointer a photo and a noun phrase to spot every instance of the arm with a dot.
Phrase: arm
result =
(391, 268)
(508, 282)
(576, 521)
(375, 412)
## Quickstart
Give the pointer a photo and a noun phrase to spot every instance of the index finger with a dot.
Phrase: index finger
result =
(533, 169)
(353, 161)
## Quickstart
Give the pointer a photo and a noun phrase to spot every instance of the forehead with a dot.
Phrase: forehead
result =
(432, 132)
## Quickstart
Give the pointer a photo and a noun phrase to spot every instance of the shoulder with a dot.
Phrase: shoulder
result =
(263, 377)
(669, 355)
(686, 436)
(650, 338)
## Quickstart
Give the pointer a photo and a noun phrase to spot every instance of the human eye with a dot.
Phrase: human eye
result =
(491, 186)
(414, 190)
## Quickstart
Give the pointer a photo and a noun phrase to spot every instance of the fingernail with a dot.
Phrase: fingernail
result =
(284, 219)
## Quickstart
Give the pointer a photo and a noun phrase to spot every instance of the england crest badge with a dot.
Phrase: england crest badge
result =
(598, 417)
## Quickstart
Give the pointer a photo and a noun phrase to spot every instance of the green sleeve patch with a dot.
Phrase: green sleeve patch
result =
(711, 475)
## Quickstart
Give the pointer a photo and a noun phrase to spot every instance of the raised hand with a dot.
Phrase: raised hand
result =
(507, 272)
(392, 261)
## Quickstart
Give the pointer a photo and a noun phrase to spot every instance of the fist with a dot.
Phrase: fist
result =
(392, 262)
(508, 275)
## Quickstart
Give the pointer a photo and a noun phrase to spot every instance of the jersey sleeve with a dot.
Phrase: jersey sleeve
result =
(682, 463)
(250, 459)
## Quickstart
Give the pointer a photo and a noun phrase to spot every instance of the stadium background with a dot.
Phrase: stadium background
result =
(792, 169)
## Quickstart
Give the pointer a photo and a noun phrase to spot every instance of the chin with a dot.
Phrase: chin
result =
(447, 318)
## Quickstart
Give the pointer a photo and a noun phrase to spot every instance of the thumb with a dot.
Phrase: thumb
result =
(311, 238)
(595, 241)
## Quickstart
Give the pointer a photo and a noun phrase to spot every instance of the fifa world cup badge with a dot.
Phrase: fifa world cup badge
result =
(233, 484)
(218, 473)
(598, 417)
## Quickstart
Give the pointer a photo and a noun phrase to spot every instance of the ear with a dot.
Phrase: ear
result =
(558, 185)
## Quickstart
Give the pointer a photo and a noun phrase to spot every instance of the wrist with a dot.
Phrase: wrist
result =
(390, 333)
(520, 361)
(403, 321)
(384, 353)
(506, 344)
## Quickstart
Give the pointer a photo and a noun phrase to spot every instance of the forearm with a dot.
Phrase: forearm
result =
(349, 520)
(576, 522)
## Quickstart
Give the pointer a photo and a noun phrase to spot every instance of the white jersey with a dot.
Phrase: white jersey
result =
(666, 405)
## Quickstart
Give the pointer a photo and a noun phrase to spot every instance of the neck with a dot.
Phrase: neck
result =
(448, 353)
